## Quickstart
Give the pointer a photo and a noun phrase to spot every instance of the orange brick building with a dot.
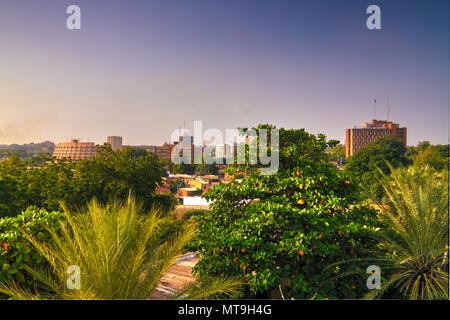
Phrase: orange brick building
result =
(358, 138)
(164, 151)
(75, 150)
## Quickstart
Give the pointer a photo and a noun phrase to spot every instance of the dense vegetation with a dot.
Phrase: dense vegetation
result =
(337, 153)
(416, 217)
(280, 231)
(44, 182)
(364, 164)
(435, 156)
(16, 251)
(121, 252)
(25, 151)
(308, 231)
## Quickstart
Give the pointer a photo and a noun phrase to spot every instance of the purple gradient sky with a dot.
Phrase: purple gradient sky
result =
(140, 68)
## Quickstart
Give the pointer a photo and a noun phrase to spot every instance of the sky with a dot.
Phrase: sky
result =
(141, 69)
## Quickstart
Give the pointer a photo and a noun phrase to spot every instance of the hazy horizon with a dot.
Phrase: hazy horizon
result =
(141, 69)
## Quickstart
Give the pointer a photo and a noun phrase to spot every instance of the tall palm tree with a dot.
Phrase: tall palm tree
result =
(120, 253)
(416, 210)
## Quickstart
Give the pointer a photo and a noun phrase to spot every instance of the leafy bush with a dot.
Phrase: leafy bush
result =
(194, 213)
(121, 254)
(177, 183)
(16, 250)
(197, 216)
(111, 175)
(365, 163)
(165, 202)
(283, 230)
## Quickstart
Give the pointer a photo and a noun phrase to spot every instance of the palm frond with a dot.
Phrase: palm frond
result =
(120, 252)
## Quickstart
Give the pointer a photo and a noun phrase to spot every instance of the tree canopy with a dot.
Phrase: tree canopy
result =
(435, 156)
(365, 162)
(280, 231)
(111, 175)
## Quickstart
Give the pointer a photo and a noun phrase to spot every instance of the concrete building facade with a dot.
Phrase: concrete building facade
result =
(359, 137)
(115, 142)
(75, 150)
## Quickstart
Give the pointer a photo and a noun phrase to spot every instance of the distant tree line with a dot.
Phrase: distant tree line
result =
(27, 150)
(191, 169)
(366, 164)
(45, 182)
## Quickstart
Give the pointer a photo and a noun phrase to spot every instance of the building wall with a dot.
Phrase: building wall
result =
(348, 142)
(115, 142)
(75, 150)
(358, 138)
(164, 151)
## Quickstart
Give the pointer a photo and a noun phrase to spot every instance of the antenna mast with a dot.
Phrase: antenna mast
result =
(375, 110)
(389, 100)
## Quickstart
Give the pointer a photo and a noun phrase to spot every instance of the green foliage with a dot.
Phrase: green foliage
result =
(365, 163)
(28, 150)
(19, 252)
(203, 168)
(110, 175)
(194, 213)
(8, 196)
(166, 164)
(191, 169)
(417, 214)
(165, 202)
(121, 253)
(337, 153)
(333, 143)
(435, 156)
(282, 230)
(183, 168)
(178, 183)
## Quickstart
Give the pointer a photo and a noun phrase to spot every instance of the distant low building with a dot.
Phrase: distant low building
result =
(359, 137)
(75, 150)
(199, 184)
(188, 192)
(196, 201)
(165, 151)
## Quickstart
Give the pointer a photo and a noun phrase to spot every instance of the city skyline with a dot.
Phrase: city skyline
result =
(139, 70)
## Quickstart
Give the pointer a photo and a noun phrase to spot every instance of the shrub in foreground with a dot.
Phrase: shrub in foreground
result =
(16, 251)
(120, 253)
(417, 216)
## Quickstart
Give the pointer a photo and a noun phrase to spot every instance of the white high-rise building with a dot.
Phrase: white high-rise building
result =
(115, 142)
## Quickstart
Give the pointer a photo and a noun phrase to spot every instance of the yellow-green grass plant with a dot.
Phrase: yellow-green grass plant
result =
(416, 210)
(121, 254)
